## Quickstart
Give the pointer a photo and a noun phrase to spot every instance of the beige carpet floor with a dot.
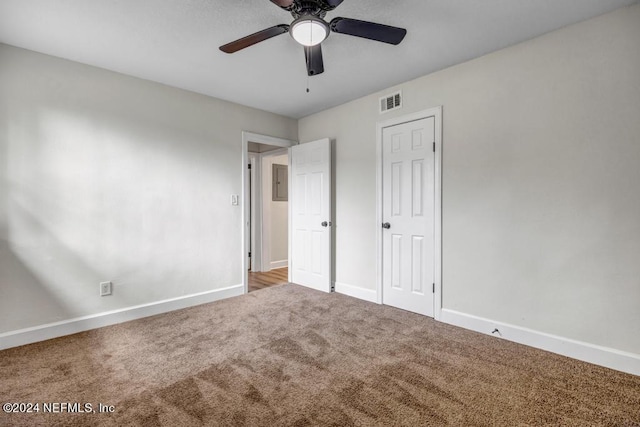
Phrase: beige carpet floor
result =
(290, 356)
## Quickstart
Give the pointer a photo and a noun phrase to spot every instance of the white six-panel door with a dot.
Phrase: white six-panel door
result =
(408, 210)
(310, 213)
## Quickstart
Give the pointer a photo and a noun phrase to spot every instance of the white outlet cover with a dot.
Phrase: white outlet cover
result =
(105, 288)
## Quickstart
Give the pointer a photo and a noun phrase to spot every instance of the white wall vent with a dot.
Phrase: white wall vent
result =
(391, 102)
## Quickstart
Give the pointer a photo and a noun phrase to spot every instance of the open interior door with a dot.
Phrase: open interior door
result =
(310, 214)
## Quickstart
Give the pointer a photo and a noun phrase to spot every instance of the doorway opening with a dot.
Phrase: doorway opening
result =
(266, 212)
(269, 216)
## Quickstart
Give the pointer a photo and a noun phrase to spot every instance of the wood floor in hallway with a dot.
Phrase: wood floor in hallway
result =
(258, 280)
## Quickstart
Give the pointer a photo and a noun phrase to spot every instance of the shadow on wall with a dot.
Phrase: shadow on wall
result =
(90, 194)
(21, 287)
(26, 292)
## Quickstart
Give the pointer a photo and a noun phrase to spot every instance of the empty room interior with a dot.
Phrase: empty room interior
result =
(320, 212)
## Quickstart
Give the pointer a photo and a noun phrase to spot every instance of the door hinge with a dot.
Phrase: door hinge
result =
(249, 165)
(249, 254)
(433, 288)
(434, 147)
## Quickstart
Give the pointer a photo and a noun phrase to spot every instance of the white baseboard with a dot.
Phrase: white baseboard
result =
(355, 291)
(85, 323)
(598, 355)
(278, 264)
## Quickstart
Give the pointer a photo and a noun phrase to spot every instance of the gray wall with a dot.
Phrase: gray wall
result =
(541, 177)
(108, 177)
(279, 217)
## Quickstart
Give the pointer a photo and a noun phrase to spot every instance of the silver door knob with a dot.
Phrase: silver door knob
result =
(386, 225)
(325, 223)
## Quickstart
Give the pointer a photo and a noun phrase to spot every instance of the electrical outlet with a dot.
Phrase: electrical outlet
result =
(105, 289)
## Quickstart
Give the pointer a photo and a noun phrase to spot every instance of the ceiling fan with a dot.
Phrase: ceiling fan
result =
(310, 29)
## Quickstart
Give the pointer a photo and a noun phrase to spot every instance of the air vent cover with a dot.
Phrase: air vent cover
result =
(391, 102)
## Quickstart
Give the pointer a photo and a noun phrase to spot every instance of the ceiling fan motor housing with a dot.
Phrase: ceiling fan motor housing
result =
(317, 8)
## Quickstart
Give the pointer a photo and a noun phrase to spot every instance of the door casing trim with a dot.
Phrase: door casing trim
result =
(435, 112)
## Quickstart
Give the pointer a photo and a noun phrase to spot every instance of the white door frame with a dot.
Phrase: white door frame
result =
(255, 213)
(261, 139)
(435, 112)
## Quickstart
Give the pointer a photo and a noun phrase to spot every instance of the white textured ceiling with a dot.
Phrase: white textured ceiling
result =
(175, 42)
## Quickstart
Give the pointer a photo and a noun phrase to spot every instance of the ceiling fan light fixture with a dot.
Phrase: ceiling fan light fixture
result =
(309, 30)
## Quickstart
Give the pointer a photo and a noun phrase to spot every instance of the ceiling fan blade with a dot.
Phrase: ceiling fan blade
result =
(334, 3)
(313, 57)
(254, 38)
(368, 30)
(283, 3)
